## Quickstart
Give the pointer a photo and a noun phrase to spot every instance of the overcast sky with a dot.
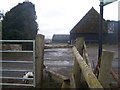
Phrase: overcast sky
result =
(60, 16)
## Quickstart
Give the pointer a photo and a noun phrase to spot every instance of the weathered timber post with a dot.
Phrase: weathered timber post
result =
(76, 74)
(90, 78)
(76, 70)
(39, 58)
(105, 68)
(80, 45)
(85, 55)
(72, 81)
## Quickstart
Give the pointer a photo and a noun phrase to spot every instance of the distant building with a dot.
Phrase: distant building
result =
(48, 41)
(112, 36)
(61, 38)
(112, 26)
(88, 27)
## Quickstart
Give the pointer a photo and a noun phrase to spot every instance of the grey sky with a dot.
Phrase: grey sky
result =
(60, 16)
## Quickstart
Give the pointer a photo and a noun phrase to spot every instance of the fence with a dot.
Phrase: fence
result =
(12, 62)
(64, 80)
(83, 75)
(37, 61)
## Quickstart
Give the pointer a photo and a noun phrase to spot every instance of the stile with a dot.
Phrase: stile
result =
(89, 76)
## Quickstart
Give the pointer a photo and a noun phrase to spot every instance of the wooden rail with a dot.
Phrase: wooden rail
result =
(82, 72)
(87, 72)
(59, 78)
(58, 46)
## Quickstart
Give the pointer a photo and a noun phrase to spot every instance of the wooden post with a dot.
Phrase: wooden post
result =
(77, 74)
(72, 81)
(89, 76)
(39, 58)
(105, 68)
(85, 55)
(78, 77)
(79, 45)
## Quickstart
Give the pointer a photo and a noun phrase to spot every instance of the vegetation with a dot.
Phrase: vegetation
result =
(19, 22)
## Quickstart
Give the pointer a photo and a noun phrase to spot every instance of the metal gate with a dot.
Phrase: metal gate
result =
(12, 68)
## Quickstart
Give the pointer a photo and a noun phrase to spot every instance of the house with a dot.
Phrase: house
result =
(112, 36)
(112, 26)
(88, 27)
(61, 38)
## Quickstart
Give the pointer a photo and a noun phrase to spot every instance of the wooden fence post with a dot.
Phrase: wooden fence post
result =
(85, 55)
(79, 45)
(72, 81)
(77, 74)
(39, 58)
(78, 77)
(105, 68)
(89, 77)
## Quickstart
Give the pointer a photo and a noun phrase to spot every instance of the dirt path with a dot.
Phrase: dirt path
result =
(59, 60)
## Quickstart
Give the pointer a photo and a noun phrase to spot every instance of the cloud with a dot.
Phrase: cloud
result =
(60, 16)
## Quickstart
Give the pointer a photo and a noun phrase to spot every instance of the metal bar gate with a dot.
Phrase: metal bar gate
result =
(13, 62)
